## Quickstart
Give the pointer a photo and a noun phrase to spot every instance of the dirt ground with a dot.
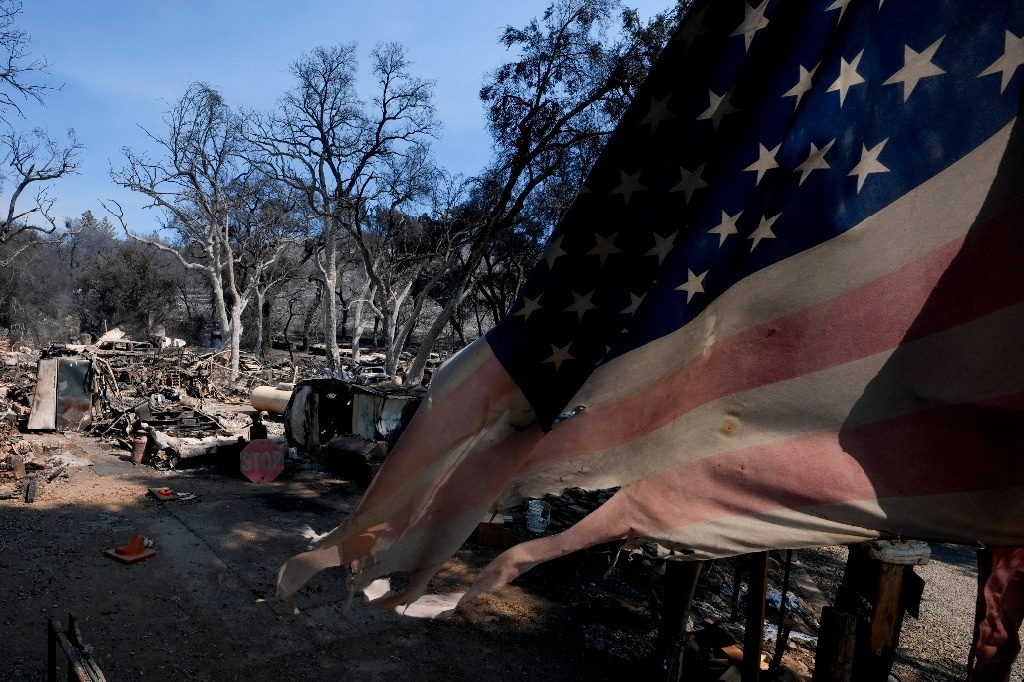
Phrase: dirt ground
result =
(203, 608)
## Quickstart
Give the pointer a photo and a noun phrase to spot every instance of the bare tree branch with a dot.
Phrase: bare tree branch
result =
(34, 160)
(17, 66)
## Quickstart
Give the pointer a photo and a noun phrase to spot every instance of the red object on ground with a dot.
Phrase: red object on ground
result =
(261, 460)
(135, 550)
(164, 493)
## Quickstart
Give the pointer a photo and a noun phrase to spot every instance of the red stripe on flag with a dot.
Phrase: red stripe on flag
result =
(924, 453)
(871, 319)
(916, 455)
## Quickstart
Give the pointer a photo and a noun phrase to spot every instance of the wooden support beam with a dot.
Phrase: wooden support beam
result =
(878, 574)
(783, 628)
(837, 641)
(887, 613)
(753, 635)
(680, 583)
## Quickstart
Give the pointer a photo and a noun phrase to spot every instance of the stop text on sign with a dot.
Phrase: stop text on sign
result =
(261, 460)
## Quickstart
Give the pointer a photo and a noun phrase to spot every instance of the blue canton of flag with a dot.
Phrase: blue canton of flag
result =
(764, 130)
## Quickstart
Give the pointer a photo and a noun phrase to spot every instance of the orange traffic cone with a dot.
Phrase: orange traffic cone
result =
(137, 544)
(137, 549)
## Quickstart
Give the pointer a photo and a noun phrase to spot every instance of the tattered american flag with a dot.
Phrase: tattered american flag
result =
(786, 310)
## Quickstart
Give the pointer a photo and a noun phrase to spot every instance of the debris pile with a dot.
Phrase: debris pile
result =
(150, 398)
(566, 509)
(27, 466)
(17, 381)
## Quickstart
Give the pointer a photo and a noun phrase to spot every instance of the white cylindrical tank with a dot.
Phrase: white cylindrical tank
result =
(272, 399)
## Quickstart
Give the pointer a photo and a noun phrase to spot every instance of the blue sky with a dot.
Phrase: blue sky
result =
(122, 62)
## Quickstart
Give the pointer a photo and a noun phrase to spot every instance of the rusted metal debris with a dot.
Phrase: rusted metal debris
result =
(81, 666)
(321, 409)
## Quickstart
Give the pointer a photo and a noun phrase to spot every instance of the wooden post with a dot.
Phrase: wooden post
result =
(681, 578)
(51, 651)
(737, 580)
(81, 666)
(887, 609)
(680, 584)
(837, 640)
(895, 559)
(753, 634)
(878, 587)
(783, 629)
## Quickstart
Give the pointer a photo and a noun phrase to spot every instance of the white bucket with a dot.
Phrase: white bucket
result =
(538, 516)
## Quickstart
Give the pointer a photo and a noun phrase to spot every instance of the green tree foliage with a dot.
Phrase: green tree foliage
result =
(128, 289)
(36, 293)
(86, 242)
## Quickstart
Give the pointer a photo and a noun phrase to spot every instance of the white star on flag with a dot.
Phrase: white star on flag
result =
(628, 185)
(581, 305)
(662, 246)
(753, 21)
(554, 252)
(634, 306)
(530, 306)
(690, 182)
(841, 6)
(604, 247)
(916, 65)
(1013, 57)
(803, 84)
(717, 110)
(869, 163)
(659, 112)
(763, 231)
(848, 77)
(692, 28)
(726, 227)
(815, 160)
(765, 161)
(694, 284)
(560, 355)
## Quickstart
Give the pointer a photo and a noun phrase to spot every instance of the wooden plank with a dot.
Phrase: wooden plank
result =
(44, 404)
(887, 616)
(753, 635)
(680, 580)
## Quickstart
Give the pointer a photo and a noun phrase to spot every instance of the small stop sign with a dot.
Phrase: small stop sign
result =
(261, 460)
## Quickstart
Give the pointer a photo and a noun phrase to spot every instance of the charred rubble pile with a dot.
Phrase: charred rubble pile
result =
(27, 467)
(638, 590)
(175, 407)
(151, 401)
(120, 390)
